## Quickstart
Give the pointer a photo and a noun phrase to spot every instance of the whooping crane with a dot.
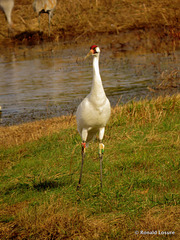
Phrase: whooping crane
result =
(7, 7)
(44, 6)
(93, 112)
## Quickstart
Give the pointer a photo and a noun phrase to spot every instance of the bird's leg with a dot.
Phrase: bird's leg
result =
(39, 22)
(83, 144)
(50, 13)
(101, 152)
(9, 31)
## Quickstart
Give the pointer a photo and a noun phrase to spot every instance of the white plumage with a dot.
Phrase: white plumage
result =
(94, 111)
(7, 7)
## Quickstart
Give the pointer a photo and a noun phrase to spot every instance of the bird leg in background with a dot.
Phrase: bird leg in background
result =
(49, 14)
(83, 144)
(39, 22)
(101, 152)
(9, 31)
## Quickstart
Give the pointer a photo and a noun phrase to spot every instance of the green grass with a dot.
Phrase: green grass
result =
(140, 179)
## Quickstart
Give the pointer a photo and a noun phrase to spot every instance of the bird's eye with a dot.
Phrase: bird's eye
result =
(95, 50)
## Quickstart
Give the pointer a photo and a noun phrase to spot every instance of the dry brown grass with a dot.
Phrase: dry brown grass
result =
(53, 221)
(142, 111)
(57, 220)
(145, 112)
(82, 19)
(156, 219)
(19, 134)
(169, 80)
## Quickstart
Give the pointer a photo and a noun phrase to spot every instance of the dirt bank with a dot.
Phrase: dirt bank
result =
(127, 25)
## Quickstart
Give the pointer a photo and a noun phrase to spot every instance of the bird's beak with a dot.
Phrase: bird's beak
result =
(89, 53)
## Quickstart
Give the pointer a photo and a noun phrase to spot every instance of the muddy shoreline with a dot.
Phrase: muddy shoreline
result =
(136, 41)
(114, 27)
(122, 45)
(148, 26)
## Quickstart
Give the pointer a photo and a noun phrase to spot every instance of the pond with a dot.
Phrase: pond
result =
(51, 79)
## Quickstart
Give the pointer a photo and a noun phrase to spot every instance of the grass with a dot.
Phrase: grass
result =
(154, 24)
(140, 176)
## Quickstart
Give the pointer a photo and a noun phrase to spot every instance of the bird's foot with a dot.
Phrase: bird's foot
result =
(78, 187)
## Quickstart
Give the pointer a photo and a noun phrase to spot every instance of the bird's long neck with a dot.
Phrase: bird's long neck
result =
(97, 87)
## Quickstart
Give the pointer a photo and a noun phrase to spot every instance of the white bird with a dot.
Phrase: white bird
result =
(7, 7)
(44, 6)
(94, 111)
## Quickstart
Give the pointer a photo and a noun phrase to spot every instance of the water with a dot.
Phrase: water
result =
(51, 80)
